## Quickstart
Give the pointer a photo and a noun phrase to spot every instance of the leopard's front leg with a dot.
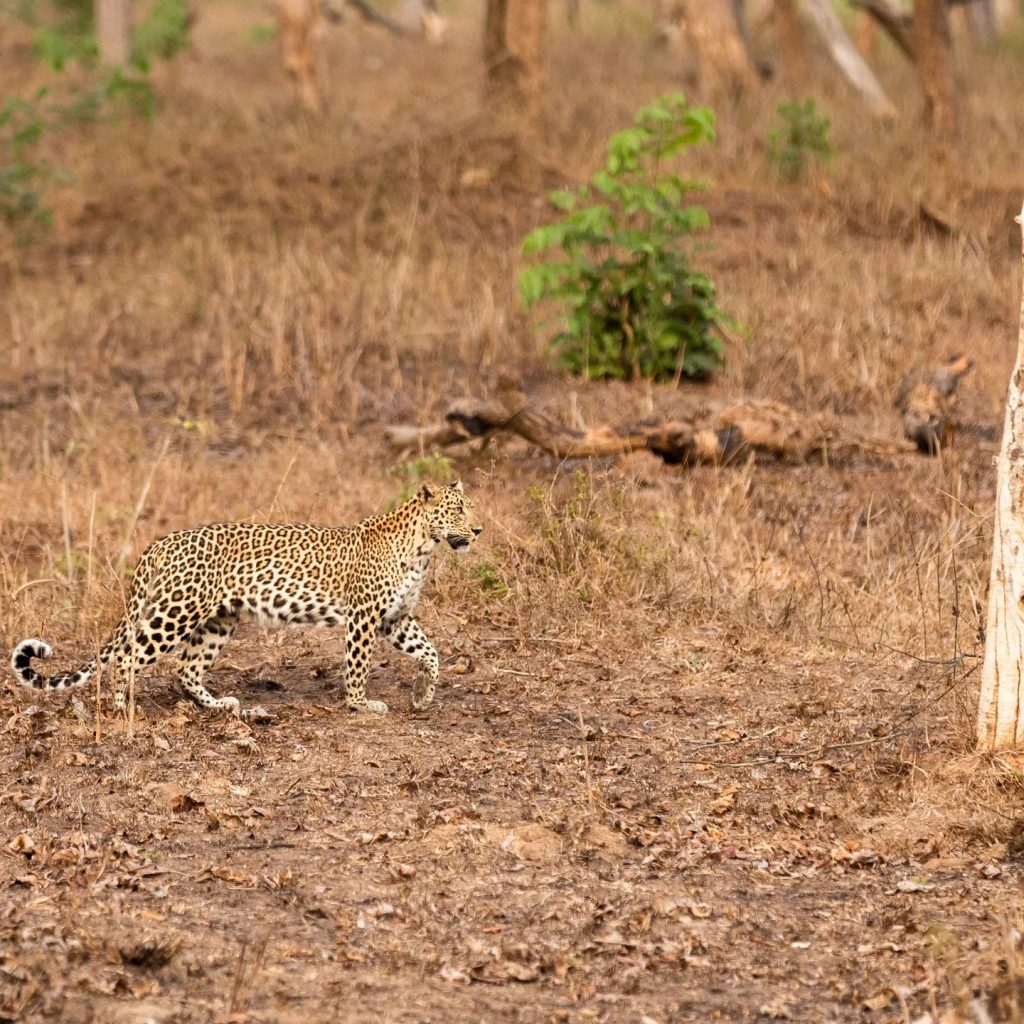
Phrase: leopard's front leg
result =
(406, 635)
(359, 639)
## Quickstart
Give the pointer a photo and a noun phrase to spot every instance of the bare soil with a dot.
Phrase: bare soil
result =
(702, 748)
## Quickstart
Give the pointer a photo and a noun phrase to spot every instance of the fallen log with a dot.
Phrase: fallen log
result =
(764, 428)
(927, 401)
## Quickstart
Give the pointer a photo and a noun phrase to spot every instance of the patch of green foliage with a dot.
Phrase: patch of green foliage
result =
(64, 34)
(21, 178)
(162, 33)
(634, 306)
(433, 468)
(488, 575)
(62, 31)
(801, 139)
(263, 33)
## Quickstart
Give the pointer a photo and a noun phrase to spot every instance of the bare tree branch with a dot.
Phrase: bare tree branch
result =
(846, 57)
(898, 26)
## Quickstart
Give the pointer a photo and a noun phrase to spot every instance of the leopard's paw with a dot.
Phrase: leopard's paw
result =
(373, 707)
(231, 704)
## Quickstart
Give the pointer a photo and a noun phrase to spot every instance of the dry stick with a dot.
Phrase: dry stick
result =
(917, 572)
(34, 583)
(586, 758)
(945, 662)
(99, 676)
(238, 997)
(280, 486)
(239, 975)
(375, 16)
(895, 733)
(66, 527)
(88, 563)
(139, 505)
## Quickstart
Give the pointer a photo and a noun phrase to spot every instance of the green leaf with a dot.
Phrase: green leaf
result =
(543, 238)
(562, 199)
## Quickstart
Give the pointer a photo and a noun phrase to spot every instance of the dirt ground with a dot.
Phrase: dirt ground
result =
(702, 748)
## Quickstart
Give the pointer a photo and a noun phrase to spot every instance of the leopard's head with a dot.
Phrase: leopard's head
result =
(449, 515)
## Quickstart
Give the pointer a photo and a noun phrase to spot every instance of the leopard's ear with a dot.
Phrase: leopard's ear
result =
(426, 494)
(456, 485)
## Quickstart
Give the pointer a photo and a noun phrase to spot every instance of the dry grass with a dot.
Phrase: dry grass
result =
(692, 720)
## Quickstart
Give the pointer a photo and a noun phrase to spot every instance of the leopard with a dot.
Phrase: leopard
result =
(191, 589)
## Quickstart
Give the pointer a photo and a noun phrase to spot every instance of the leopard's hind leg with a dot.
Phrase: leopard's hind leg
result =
(161, 629)
(198, 653)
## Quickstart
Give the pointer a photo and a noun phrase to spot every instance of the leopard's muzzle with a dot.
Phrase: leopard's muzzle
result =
(459, 541)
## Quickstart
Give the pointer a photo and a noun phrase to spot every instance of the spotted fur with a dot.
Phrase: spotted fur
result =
(191, 589)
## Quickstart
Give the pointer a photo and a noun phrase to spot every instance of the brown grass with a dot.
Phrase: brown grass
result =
(690, 720)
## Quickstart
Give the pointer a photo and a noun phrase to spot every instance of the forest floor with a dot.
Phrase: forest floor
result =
(703, 744)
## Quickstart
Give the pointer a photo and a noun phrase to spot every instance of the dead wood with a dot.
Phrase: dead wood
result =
(765, 428)
(897, 25)
(371, 14)
(828, 25)
(927, 402)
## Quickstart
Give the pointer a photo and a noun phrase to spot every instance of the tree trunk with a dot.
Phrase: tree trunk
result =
(709, 28)
(867, 35)
(981, 20)
(899, 26)
(514, 54)
(298, 30)
(114, 31)
(846, 57)
(1007, 13)
(1001, 705)
(933, 46)
(792, 42)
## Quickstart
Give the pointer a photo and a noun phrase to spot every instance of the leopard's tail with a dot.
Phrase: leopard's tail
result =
(21, 662)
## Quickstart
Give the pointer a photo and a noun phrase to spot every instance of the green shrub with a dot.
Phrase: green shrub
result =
(162, 33)
(64, 33)
(801, 139)
(634, 306)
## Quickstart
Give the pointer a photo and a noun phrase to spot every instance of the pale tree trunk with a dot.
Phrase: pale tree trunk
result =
(114, 31)
(1001, 705)
(1007, 14)
(422, 17)
(875, 14)
(981, 20)
(709, 28)
(299, 27)
(792, 42)
(514, 54)
(933, 47)
(846, 57)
